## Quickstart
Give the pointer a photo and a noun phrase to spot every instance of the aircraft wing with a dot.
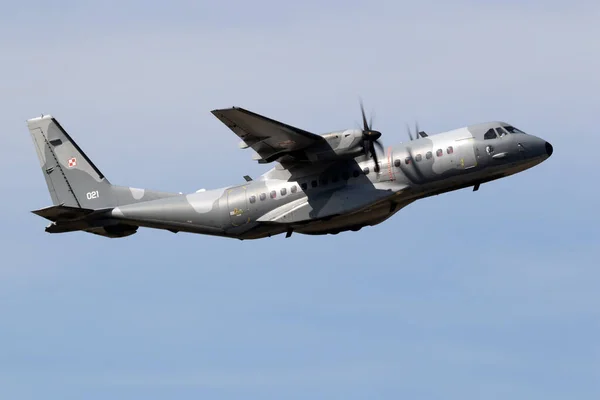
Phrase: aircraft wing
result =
(272, 140)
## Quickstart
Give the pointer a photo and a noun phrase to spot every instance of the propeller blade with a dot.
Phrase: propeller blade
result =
(372, 119)
(415, 165)
(364, 117)
(417, 130)
(366, 146)
(409, 134)
(374, 155)
(379, 145)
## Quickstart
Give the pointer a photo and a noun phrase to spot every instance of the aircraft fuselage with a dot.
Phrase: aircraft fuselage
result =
(345, 195)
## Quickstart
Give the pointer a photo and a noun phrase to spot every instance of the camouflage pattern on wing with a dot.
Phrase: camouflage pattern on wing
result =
(270, 139)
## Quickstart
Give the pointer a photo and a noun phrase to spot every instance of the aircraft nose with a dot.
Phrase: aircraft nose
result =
(549, 149)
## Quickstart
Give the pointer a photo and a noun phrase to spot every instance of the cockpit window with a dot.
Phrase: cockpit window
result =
(501, 132)
(491, 134)
(512, 129)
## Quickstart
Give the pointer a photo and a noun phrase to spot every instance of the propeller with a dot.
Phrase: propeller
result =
(370, 138)
(418, 174)
(416, 131)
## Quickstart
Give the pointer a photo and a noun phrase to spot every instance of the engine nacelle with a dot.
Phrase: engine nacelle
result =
(345, 144)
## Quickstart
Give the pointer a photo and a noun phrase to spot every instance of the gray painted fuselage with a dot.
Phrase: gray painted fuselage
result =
(342, 195)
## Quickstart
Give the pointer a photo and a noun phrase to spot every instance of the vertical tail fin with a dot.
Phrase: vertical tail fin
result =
(72, 179)
(76, 185)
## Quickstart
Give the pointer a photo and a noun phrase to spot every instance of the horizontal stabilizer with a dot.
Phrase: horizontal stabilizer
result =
(63, 213)
(71, 219)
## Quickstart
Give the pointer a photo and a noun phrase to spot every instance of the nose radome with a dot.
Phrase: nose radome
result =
(549, 149)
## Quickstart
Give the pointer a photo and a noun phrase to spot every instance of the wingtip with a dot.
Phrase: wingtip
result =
(43, 116)
(216, 110)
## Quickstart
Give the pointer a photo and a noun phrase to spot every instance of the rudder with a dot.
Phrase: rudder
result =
(72, 179)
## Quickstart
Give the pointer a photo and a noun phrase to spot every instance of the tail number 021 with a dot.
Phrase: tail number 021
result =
(92, 195)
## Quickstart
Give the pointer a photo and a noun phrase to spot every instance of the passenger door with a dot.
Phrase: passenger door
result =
(466, 153)
(237, 205)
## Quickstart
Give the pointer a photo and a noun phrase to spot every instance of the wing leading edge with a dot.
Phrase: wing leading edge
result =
(271, 140)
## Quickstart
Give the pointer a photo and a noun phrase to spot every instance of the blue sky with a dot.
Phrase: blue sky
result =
(491, 294)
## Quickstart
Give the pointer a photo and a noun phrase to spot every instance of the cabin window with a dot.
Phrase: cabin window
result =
(439, 153)
(252, 199)
(418, 157)
(397, 163)
(450, 150)
(313, 184)
(490, 134)
(294, 189)
(304, 186)
(407, 160)
(273, 194)
(263, 196)
(283, 191)
(428, 155)
(323, 180)
(355, 173)
(366, 170)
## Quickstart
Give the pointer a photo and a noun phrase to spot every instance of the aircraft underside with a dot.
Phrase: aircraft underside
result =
(331, 225)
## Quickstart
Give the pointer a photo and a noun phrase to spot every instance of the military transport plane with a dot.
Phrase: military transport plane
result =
(321, 184)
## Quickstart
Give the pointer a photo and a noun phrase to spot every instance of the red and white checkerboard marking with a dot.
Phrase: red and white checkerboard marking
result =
(72, 162)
